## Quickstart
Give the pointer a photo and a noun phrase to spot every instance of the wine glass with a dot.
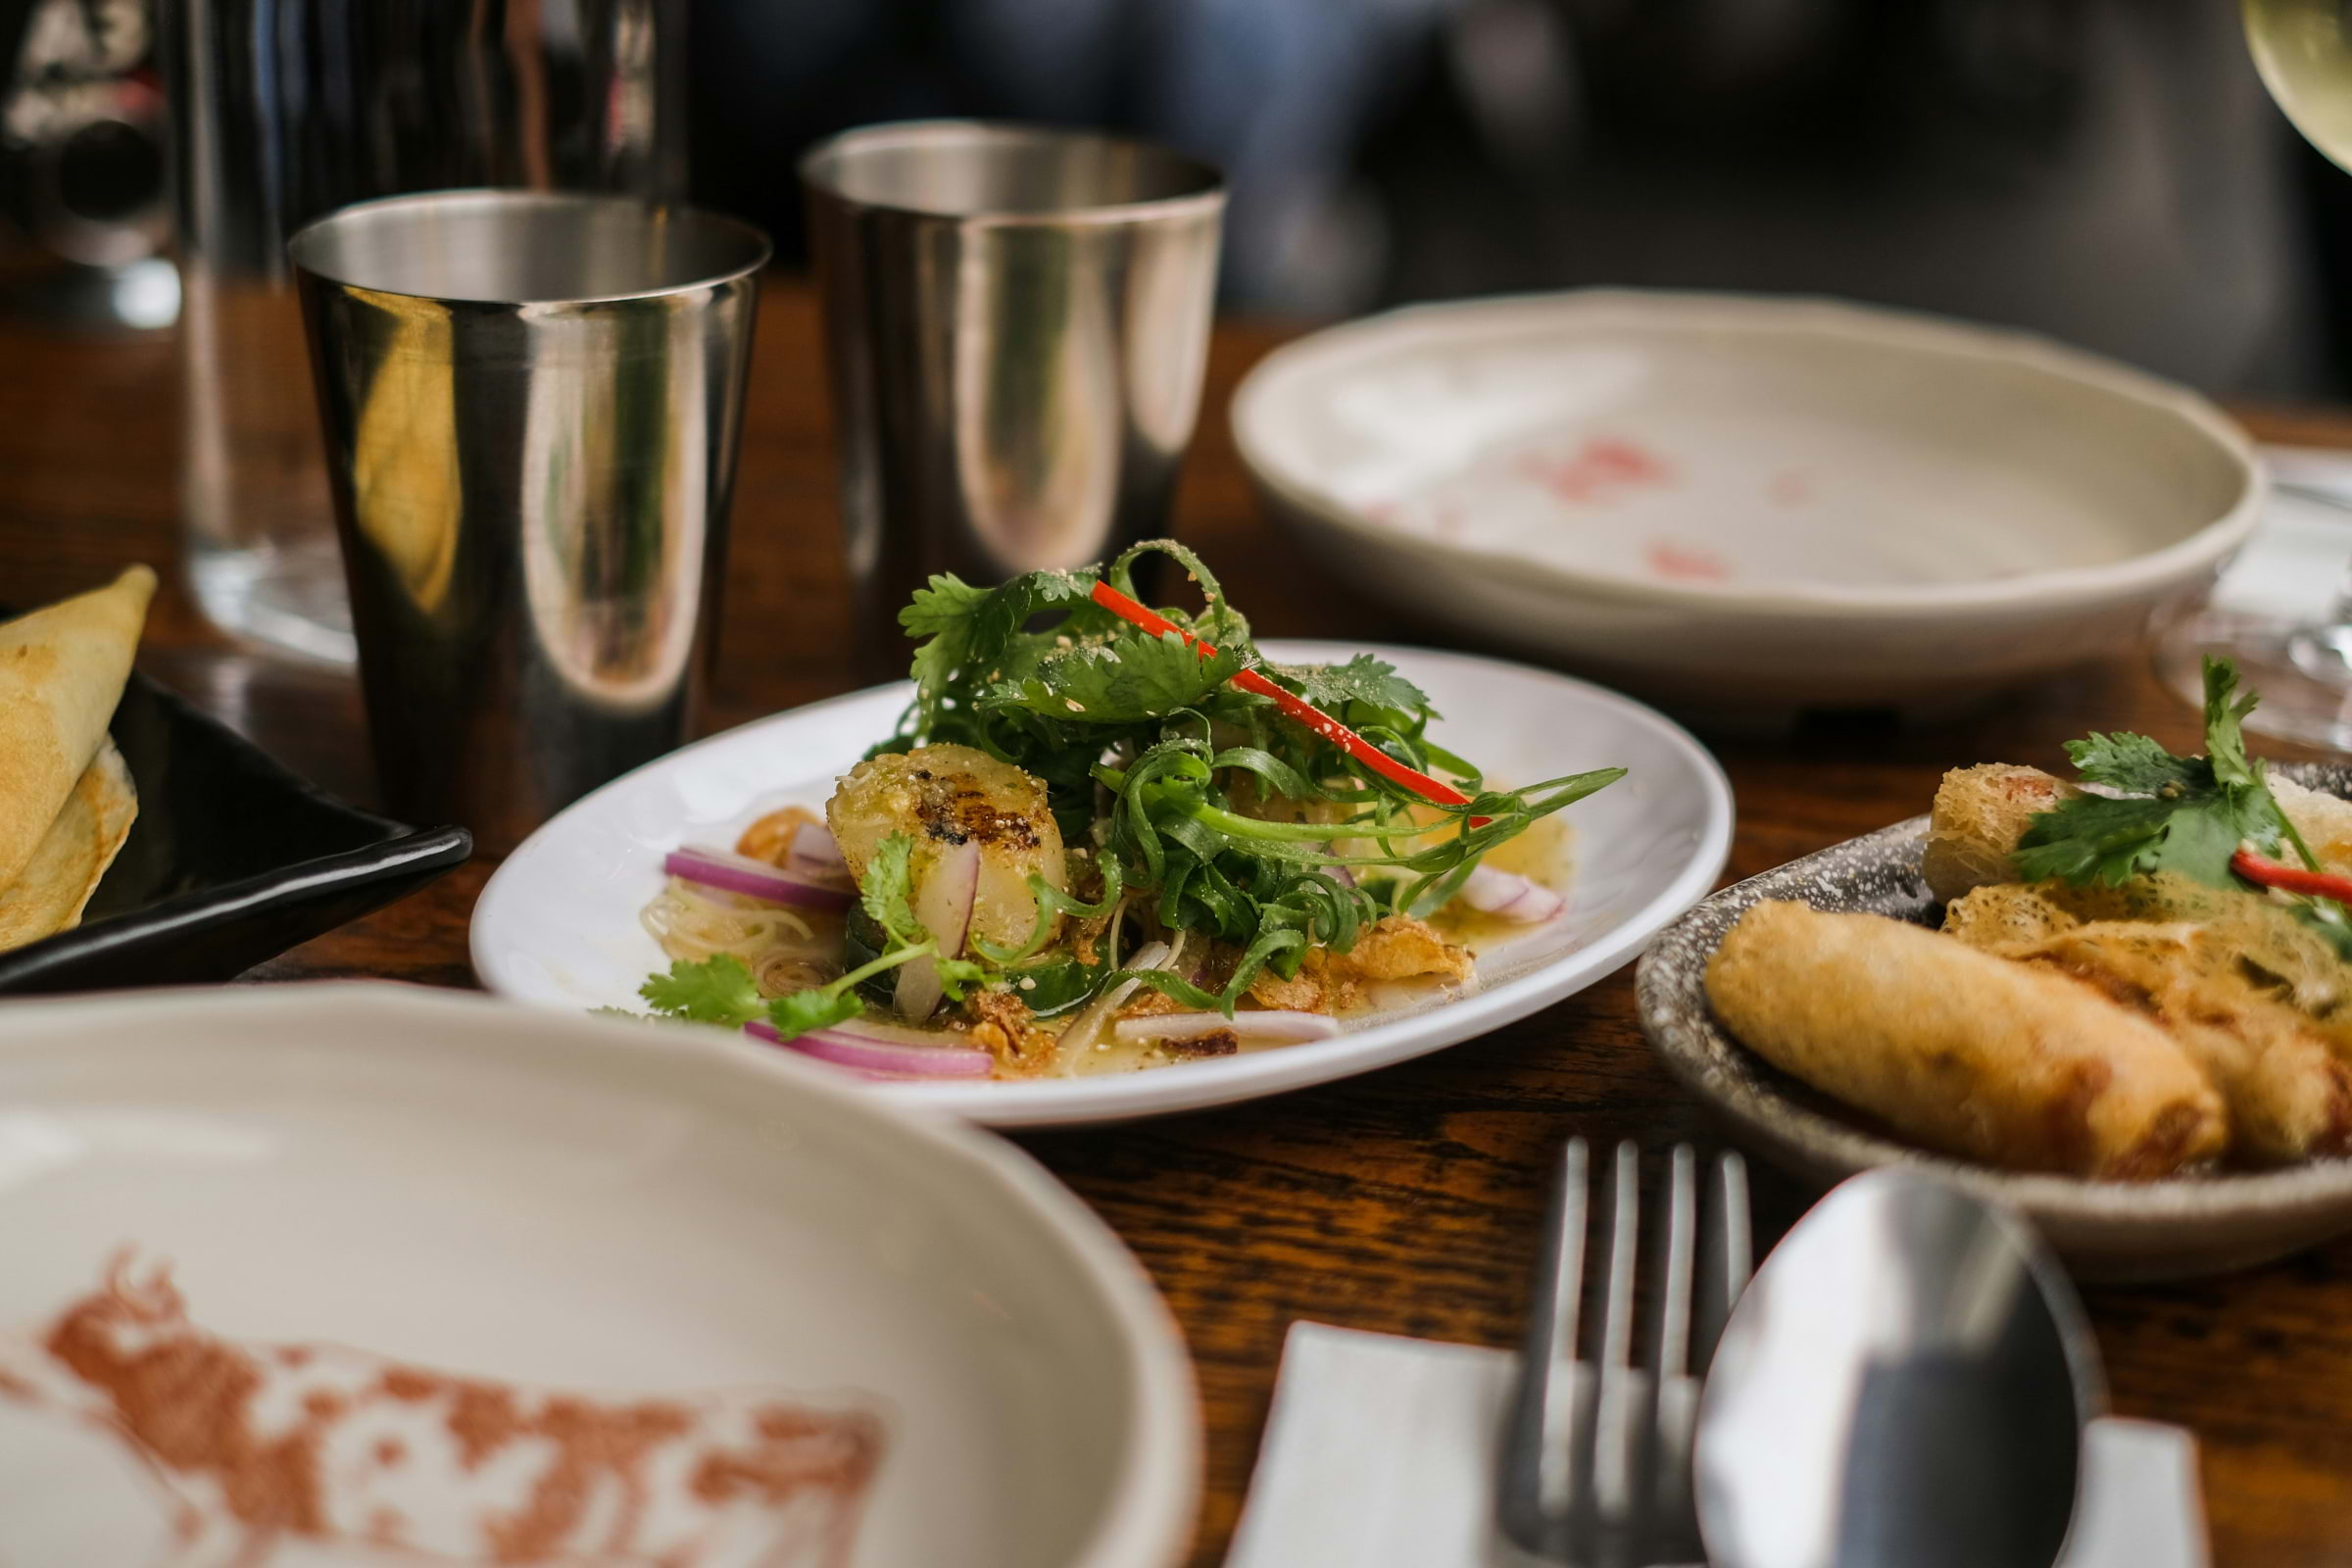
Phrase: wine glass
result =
(2303, 669)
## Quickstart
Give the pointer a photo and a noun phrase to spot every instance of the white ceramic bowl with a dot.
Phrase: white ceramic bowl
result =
(1735, 503)
(563, 1203)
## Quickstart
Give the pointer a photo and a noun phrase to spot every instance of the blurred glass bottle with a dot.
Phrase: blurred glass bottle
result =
(283, 110)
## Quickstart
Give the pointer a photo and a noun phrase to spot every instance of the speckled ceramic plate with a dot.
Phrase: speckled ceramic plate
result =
(2104, 1230)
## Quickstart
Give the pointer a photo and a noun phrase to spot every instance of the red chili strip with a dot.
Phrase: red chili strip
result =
(2269, 873)
(1293, 707)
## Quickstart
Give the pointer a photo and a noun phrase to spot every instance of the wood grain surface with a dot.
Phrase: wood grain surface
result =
(1406, 1200)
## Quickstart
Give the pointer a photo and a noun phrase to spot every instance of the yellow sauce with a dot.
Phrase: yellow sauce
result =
(1545, 853)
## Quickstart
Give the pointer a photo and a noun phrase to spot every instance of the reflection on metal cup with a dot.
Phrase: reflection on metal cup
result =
(531, 404)
(1017, 319)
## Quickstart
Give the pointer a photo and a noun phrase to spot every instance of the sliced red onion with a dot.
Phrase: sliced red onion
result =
(864, 1049)
(944, 905)
(918, 990)
(1510, 896)
(737, 873)
(814, 853)
(1284, 1024)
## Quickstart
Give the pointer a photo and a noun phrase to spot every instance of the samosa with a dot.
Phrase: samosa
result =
(66, 798)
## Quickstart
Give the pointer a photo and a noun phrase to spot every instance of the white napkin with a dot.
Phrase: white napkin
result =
(1380, 1453)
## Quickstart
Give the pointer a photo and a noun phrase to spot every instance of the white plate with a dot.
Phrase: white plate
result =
(557, 924)
(563, 1203)
(1737, 500)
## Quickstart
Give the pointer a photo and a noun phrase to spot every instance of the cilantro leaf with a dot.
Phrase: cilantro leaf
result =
(718, 990)
(2225, 736)
(886, 891)
(969, 628)
(942, 613)
(2240, 776)
(818, 1007)
(2132, 763)
(2183, 813)
(2096, 838)
(943, 607)
(1124, 680)
(1373, 682)
(958, 975)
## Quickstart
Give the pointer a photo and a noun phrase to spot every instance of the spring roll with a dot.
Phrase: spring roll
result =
(2323, 820)
(2248, 933)
(2002, 913)
(1980, 814)
(2289, 1094)
(1998, 1061)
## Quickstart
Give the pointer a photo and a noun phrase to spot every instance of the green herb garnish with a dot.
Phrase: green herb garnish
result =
(2179, 813)
(719, 988)
(1154, 760)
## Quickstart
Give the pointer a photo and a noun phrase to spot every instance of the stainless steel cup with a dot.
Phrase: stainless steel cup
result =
(284, 110)
(531, 404)
(1017, 319)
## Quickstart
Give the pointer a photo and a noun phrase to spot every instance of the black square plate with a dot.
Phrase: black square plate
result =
(232, 859)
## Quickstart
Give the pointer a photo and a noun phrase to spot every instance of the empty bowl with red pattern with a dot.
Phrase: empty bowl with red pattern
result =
(1745, 503)
(347, 1274)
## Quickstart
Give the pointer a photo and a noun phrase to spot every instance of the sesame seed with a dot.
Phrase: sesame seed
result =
(1073, 705)
(1028, 982)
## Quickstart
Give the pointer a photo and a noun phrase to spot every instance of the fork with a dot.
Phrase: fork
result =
(1596, 1453)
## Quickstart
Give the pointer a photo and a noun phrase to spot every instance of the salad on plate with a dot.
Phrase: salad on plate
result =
(1108, 837)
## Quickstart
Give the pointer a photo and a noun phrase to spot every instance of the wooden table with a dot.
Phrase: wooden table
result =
(1408, 1200)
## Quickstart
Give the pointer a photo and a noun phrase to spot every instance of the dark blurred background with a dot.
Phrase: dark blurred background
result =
(2106, 171)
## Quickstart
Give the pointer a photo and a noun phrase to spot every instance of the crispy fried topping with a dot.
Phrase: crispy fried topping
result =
(1004, 1026)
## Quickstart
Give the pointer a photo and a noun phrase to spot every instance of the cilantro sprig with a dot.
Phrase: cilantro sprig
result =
(720, 989)
(2187, 814)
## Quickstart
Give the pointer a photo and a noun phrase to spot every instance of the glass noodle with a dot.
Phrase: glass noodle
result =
(694, 923)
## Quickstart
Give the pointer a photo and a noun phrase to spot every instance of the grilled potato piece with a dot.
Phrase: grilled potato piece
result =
(945, 795)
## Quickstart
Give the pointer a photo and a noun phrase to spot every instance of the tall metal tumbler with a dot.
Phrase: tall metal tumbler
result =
(531, 404)
(1018, 320)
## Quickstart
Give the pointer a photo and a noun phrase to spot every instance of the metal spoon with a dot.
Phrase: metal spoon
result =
(1906, 1385)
